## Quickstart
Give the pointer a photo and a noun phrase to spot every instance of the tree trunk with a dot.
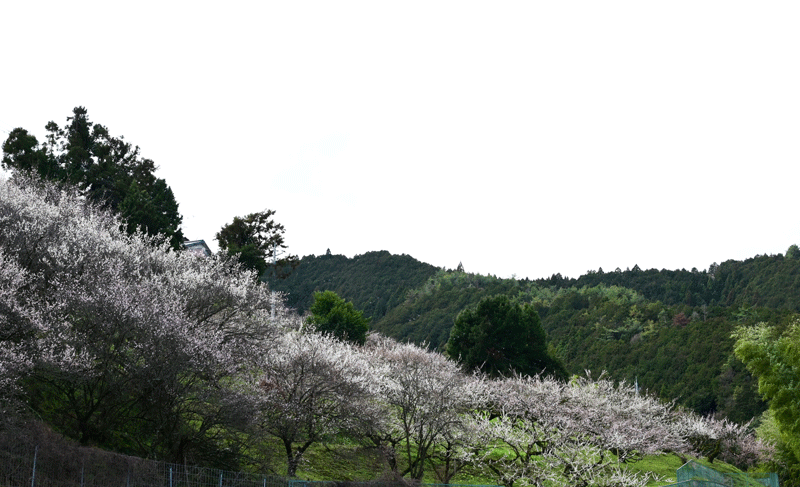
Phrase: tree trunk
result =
(292, 460)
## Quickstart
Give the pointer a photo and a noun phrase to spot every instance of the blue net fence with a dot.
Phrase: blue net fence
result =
(692, 474)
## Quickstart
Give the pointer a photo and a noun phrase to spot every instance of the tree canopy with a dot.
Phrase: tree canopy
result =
(116, 342)
(310, 392)
(774, 358)
(332, 314)
(374, 281)
(255, 238)
(501, 337)
(105, 169)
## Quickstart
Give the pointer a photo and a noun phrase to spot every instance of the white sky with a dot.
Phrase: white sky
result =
(523, 138)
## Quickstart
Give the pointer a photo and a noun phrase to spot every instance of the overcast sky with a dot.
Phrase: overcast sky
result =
(524, 138)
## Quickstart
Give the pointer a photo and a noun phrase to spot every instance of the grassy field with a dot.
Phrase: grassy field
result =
(354, 462)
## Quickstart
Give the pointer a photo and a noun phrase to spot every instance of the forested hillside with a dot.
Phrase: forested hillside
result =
(428, 312)
(670, 330)
(769, 281)
(375, 282)
(678, 351)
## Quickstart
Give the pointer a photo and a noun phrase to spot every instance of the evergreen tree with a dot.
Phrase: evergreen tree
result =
(254, 239)
(106, 170)
(332, 314)
(500, 337)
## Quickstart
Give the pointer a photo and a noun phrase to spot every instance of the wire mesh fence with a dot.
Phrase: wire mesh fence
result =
(30, 466)
(38, 457)
(24, 466)
(400, 482)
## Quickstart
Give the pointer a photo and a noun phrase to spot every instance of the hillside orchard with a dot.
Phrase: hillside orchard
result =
(121, 342)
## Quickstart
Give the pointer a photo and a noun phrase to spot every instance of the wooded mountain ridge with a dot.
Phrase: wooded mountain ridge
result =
(668, 330)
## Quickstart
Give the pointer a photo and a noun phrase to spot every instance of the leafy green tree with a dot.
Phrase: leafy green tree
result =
(332, 314)
(22, 151)
(148, 209)
(255, 239)
(106, 170)
(500, 337)
(775, 359)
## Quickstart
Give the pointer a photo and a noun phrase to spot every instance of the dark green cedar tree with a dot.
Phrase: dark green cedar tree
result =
(500, 337)
(105, 169)
(332, 314)
(254, 240)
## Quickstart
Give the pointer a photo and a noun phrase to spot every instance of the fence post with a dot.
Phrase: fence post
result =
(33, 475)
(170, 476)
(220, 478)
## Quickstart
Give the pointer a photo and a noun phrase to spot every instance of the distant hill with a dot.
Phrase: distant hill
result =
(677, 351)
(770, 281)
(428, 312)
(670, 330)
(375, 282)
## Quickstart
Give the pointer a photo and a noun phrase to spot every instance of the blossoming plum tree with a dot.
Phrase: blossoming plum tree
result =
(425, 396)
(313, 388)
(18, 324)
(541, 431)
(133, 342)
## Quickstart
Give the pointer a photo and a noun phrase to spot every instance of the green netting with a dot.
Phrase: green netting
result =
(695, 475)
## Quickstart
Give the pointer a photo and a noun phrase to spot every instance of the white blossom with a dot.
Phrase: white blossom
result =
(312, 388)
(122, 325)
(425, 397)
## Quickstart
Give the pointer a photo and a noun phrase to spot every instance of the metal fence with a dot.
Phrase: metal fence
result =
(57, 464)
(401, 482)
(35, 467)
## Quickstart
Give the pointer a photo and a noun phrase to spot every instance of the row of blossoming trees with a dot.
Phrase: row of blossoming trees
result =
(117, 341)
